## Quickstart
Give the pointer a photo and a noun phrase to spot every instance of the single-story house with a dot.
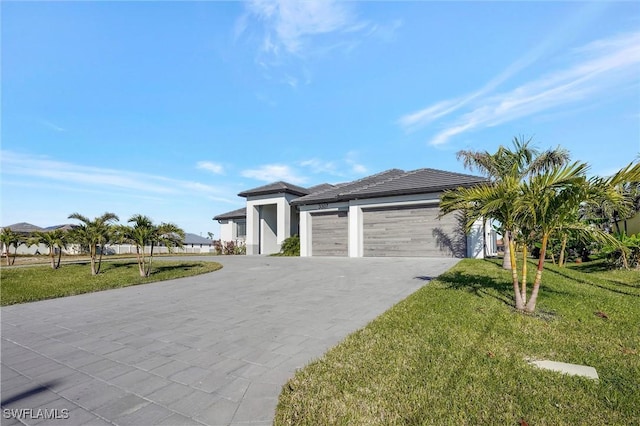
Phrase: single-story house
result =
(393, 213)
(233, 225)
(192, 243)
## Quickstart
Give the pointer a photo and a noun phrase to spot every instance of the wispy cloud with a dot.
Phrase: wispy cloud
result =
(290, 33)
(596, 68)
(345, 167)
(52, 126)
(274, 172)
(316, 165)
(290, 23)
(210, 166)
(78, 177)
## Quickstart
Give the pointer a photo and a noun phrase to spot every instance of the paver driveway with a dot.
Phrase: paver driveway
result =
(211, 349)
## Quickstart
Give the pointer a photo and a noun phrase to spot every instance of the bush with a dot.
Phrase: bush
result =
(229, 247)
(217, 246)
(291, 246)
(629, 253)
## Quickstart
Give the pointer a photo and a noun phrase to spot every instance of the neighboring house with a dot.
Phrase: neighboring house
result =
(24, 229)
(192, 243)
(393, 213)
(630, 226)
(233, 226)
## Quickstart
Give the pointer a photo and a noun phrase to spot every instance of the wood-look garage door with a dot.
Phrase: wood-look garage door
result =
(411, 231)
(329, 234)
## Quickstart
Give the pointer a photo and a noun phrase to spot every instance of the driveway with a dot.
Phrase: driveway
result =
(211, 349)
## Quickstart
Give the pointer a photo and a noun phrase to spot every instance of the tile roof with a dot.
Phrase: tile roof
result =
(392, 182)
(196, 239)
(388, 183)
(65, 227)
(336, 192)
(23, 227)
(235, 214)
(321, 187)
(275, 188)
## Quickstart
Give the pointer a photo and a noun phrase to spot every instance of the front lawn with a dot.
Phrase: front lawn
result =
(455, 352)
(28, 284)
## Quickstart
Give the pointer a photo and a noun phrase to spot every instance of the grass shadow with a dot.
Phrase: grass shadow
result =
(480, 285)
(591, 283)
(168, 268)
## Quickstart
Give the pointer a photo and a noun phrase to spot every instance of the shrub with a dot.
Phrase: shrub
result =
(217, 246)
(291, 246)
(229, 247)
(628, 256)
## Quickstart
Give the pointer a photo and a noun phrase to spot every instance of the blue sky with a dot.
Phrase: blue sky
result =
(170, 109)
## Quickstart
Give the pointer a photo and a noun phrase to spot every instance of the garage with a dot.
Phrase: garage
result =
(330, 233)
(411, 231)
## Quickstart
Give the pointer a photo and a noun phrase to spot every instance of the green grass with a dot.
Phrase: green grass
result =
(28, 284)
(455, 353)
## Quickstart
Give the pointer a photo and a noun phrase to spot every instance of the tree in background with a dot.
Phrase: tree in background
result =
(10, 238)
(53, 240)
(143, 233)
(94, 233)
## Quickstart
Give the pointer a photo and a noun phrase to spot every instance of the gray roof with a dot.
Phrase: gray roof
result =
(321, 187)
(65, 227)
(393, 182)
(384, 184)
(275, 188)
(235, 214)
(196, 239)
(23, 227)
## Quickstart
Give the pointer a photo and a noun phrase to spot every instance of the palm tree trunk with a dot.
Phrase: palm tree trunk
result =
(92, 254)
(15, 254)
(506, 242)
(150, 259)
(514, 276)
(59, 258)
(100, 258)
(563, 246)
(531, 306)
(523, 286)
(52, 256)
(140, 258)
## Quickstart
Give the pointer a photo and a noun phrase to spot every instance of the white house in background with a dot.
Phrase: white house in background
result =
(233, 226)
(192, 243)
(393, 213)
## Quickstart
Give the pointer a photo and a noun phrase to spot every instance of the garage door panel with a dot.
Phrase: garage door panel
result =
(411, 231)
(330, 234)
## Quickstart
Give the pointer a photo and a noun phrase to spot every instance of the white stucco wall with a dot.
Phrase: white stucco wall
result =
(268, 227)
(226, 230)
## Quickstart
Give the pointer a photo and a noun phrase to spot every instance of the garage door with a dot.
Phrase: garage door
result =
(411, 231)
(329, 234)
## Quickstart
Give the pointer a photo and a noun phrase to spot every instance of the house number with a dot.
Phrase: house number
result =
(323, 205)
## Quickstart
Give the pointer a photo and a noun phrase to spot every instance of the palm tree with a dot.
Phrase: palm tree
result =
(513, 165)
(55, 239)
(548, 201)
(143, 233)
(497, 200)
(94, 233)
(10, 238)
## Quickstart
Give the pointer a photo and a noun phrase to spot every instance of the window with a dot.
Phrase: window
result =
(241, 229)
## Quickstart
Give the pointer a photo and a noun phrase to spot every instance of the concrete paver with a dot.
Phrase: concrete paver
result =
(208, 350)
